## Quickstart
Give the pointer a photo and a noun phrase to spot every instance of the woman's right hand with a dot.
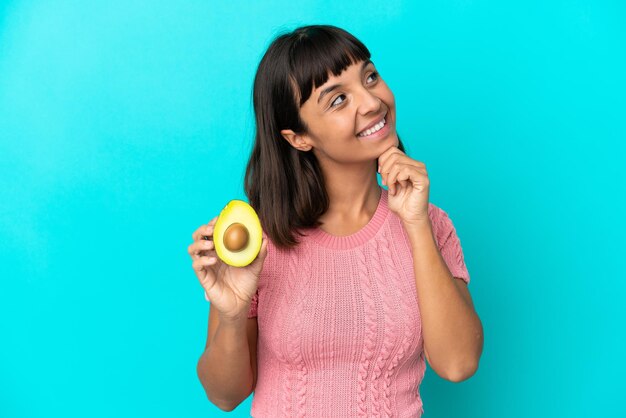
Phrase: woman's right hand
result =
(229, 289)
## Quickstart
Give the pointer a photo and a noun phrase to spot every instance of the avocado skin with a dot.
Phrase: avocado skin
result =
(238, 211)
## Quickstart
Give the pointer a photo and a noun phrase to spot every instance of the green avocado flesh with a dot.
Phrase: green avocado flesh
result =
(238, 211)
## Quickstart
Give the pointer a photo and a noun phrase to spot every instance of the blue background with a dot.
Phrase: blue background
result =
(124, 126)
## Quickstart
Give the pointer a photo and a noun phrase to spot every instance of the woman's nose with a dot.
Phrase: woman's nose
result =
(369, 102)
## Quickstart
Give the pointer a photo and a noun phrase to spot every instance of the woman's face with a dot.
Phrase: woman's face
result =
(342, 108)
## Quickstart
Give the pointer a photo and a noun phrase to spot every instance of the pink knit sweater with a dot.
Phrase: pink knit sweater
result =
(339, 323)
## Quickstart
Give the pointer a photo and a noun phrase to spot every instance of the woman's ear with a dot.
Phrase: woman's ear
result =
(296, 141)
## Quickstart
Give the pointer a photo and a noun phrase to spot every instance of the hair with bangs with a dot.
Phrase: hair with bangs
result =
(285, 186)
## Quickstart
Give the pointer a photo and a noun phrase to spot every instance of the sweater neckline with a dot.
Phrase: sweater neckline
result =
(344, 242)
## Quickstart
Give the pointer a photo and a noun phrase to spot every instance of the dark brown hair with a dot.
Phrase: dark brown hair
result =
(286, 186)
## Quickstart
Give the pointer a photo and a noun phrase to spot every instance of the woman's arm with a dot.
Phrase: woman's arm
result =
(227, 368)
(453, 333)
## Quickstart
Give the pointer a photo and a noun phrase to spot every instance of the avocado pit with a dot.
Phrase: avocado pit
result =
(236, 237)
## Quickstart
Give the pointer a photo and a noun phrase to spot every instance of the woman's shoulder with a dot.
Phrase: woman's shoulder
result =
(435, 213)
(440, 221)
(277, 254)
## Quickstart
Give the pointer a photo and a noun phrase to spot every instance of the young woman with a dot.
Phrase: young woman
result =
(355, 286)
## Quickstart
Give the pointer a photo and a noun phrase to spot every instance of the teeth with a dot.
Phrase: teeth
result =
(374, 128)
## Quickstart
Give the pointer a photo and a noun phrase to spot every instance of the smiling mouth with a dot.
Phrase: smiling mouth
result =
(377, 127)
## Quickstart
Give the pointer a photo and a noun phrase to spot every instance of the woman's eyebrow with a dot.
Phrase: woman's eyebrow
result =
(334, 86)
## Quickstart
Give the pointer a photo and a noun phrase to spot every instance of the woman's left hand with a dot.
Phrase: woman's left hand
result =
(408, 184)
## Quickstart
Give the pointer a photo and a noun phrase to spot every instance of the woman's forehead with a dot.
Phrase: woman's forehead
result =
(332, 80)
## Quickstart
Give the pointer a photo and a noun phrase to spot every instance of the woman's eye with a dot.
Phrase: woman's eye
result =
(335, 101)
(375, 74)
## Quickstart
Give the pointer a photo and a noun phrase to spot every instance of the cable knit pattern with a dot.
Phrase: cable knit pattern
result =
(389, 335)
(404, 307)
(298, 267)
(413, 327)
(370, 330)
(302, 370)
(295, 358)
(339, 326)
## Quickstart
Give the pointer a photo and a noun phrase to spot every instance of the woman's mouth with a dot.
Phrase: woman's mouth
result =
(380, 130)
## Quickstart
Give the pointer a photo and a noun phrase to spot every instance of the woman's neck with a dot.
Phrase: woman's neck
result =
(354, 197)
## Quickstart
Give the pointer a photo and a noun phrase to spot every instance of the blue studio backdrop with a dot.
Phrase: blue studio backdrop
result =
(125, 125)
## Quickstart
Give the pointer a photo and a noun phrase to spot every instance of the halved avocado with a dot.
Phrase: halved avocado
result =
(237, 234)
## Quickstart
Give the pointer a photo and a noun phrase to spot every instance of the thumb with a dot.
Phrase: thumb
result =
(263, 251)
(257, 264)
(260, 258)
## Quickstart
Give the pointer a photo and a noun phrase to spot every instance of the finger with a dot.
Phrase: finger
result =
(209, 280)
(262, 253)
(205, 253)
(419, 167)
(405, 184)
(198, 233)
(197, 246)
(383, 161)
(205, 232)
(385, 155)
(200, 263)
(209, 229)
(418, 180)
(396, 158)
(202, 247)
(412, 174)
(405, 172)
(392, 176)
(399, 157)
(386, 161)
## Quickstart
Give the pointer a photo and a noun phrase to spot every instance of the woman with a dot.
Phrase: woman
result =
(332, 301)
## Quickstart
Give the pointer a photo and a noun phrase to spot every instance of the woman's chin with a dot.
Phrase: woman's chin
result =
(392, 138)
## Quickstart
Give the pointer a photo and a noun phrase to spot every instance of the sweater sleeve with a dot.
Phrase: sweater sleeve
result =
(450, 245)
(252, 313)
